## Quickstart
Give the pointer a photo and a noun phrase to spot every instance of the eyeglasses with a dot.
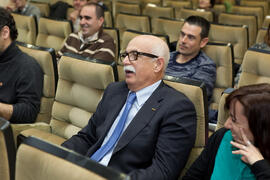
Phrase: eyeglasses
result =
(133, 55)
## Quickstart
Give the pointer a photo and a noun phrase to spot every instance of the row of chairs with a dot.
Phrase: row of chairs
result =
(37, 159)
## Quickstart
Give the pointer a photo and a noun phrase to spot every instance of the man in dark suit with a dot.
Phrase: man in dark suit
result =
(160, 127)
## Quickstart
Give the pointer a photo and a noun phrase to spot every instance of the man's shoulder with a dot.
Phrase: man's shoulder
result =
(27, 61)
(204, 59)
(106, 37)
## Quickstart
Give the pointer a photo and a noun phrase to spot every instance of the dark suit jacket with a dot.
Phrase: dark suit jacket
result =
(157, 142)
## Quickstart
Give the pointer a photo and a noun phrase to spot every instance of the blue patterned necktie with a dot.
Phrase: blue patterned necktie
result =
(103, 150)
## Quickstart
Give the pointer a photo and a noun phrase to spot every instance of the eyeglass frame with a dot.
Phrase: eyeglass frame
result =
(137, 53)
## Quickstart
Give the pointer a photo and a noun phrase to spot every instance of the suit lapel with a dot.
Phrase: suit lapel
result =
(142, 118)
(118, 102)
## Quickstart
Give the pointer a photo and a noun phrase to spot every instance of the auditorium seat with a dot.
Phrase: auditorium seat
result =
(108, 19)
(27, 28)
(185, 13)
(196, 92)
(133, 22)
(240, 19)
(43, 7)
(53, 33)
(40, 160)
(8, 151)
(155, 11)
(170, 27)
(47, 61)
(255, 70)
(261, 34)
(257, 11)
(266, 22)
(254, 3)
(234, 34)
(126, 7)
(222, 54)
(114, 33)
(178, 6)
(80, 87)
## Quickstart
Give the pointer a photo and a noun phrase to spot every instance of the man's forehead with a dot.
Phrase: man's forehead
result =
(88, 10)
(191, 29)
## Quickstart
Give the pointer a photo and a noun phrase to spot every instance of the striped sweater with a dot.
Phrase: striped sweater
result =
(102, 47)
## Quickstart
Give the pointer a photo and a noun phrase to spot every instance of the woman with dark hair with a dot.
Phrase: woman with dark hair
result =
(241, 150)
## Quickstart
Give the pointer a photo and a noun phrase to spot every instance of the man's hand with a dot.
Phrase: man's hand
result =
(6, 110)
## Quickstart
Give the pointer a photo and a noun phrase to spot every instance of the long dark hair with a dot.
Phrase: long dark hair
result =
(256, 102)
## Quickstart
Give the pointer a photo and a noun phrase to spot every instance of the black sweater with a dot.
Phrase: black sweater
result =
(21, 82)
(202, 168)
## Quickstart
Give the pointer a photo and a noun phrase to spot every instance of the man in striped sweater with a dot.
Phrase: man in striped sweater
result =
(91, 41)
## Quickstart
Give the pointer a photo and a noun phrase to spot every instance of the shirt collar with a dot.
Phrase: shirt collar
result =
(89, 39)
(143, 94)
(25, 7)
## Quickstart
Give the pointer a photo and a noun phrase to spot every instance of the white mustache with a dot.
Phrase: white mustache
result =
(129, 68)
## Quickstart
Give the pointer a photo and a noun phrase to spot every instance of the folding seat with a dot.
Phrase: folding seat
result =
(125, 7)
(43, 7)
(27, 28)
(185, 13)
(219, 8)
(55, 162)
(151, 2)
(133, 22)
(178, 5)
(234, 34)
(165, 26)
(108, 19)
(69, 11)
(261, 34)
(47, 61)
(222, 54)
(263, 4)
(114, 33)
(266, 22)
(237, 19)
(109, 5)
(8, 151)
(255, 70)
(80, 87)
(155, 11)
(257, 11)
(196, 92)
(127, 36)
(53, 33)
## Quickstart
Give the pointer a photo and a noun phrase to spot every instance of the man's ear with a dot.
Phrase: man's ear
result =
(159, 64)
(100, 21)
(5, 32)
(203, 42)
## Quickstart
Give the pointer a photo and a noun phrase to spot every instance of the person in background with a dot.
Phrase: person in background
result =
(100, 2)
(189, 61)
(241, 150)
(90, 41)
(25, 8)
(265, 45)
(21, 78)
(74, 16)
(141, 127)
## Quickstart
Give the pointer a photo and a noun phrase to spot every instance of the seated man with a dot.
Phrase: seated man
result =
(74, 16)
(24, 8)
(152, 140)
(91, 41)
(21, 78)
(189, 61)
